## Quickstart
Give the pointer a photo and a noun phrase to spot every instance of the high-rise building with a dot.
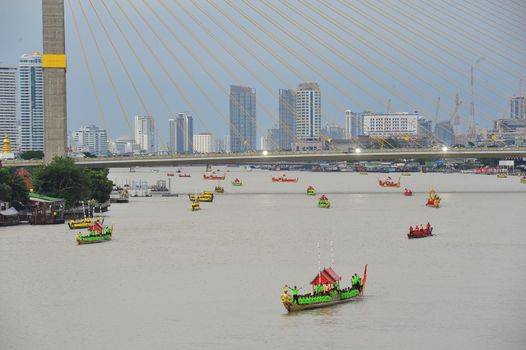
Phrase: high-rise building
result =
(287, 119)
(517, 107)
(392, 124)
(172, 136)
(184, 133)
(8, 105)
(270, 141)
(91, 139)
(308, 112)
(123, 145)
(31, 94)
(145, 133)
(353, 124)
(204, 143)
(242, 118)
(444, 132)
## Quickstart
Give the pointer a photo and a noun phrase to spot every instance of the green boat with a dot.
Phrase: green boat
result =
(323, 202)
(237, 182)
(96, 234)
(326, 292)
(311, 191)
(523, 180)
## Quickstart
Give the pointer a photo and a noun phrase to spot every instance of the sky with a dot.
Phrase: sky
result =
(161, 57)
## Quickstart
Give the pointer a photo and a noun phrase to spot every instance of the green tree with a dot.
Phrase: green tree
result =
(62, 179)
(12, 188)
(101, 186)
(32, 155)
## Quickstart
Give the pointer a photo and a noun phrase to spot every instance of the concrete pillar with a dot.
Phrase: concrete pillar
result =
(54, 66)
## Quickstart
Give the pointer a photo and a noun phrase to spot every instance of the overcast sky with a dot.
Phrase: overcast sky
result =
(362, 53)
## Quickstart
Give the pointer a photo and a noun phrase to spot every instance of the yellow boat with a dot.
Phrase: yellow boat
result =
(83, 223)
(406, 174)
(201, 198)
(219, 189)
(363, 172)
(502, 175)
(195, 206)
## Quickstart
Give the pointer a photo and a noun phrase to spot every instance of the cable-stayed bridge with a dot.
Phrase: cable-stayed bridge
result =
(405, 58)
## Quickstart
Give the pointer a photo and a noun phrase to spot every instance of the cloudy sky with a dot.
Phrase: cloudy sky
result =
(184, 55)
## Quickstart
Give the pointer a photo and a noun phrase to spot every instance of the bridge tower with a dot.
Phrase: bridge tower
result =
(54, 66)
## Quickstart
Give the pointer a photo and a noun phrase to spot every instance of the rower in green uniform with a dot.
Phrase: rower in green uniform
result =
(295, 292)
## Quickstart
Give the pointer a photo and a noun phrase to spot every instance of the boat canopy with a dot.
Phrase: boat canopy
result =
(326, 276)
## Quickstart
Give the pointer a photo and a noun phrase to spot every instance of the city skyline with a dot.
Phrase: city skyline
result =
(82, 107)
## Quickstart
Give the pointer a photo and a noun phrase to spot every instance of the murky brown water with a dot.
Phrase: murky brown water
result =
(176, 279)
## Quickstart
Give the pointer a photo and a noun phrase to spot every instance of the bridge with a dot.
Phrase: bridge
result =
(287, 157)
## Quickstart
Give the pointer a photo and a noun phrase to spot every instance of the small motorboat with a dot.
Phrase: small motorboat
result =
(83, 223)
(388, 182)
(213, 176)
(406, 174)
(323, 202)
(311, 191)
(408, 192)
(502, 175)
(170, 174)
(96, 234)
(363, 173)
(195, 206)
(219, 189)
(184, 175)
(420, 232)
(237, 182)
(283, 178)
(433, 199)
(203, 197)
(523, 180)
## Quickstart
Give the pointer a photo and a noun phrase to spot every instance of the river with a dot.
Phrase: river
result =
(176, 279)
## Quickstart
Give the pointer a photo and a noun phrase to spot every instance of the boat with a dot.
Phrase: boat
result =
(202, 197)
(311, 191)
(433, 199)
(170, 174)
(363, 173)
(523, 180)
(195, 206)
(323, 202)
(83, 223)
(388, 182)
(406, 174)
(237, 182)
(420, 232)
(96, 234)
(184, 175)
(283, 178)
(502, 175)
(326, 291)
(408, 192)
(219, 189)
(213, 176)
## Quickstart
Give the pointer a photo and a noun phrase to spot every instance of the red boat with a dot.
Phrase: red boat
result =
(213, 177)
(184, 175)
(282, 178)
(169, 174)
(421, 233)
(408, 192)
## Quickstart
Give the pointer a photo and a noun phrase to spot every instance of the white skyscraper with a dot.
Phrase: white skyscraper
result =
(8, 105)
(145, 133)
(308, 112)
(172, 138)
(31, 93)
(184, 133)
(91, 139)
(204, 143)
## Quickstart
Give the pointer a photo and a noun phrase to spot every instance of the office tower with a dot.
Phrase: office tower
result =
(353, 124)
(184, 133)
(204, 143)
(308, 112)
(242, 118)
(172, 136)
(444, 132)
(91, 139)
(8, 105)
(287, 119)
(31, 99)
(517, 107)
(145, 133)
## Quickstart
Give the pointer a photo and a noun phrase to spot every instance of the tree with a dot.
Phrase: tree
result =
(62, 179)
(101, 186)
(12, 188)
(27, 155)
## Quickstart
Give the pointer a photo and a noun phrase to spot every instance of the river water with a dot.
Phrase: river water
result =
(176, 279)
